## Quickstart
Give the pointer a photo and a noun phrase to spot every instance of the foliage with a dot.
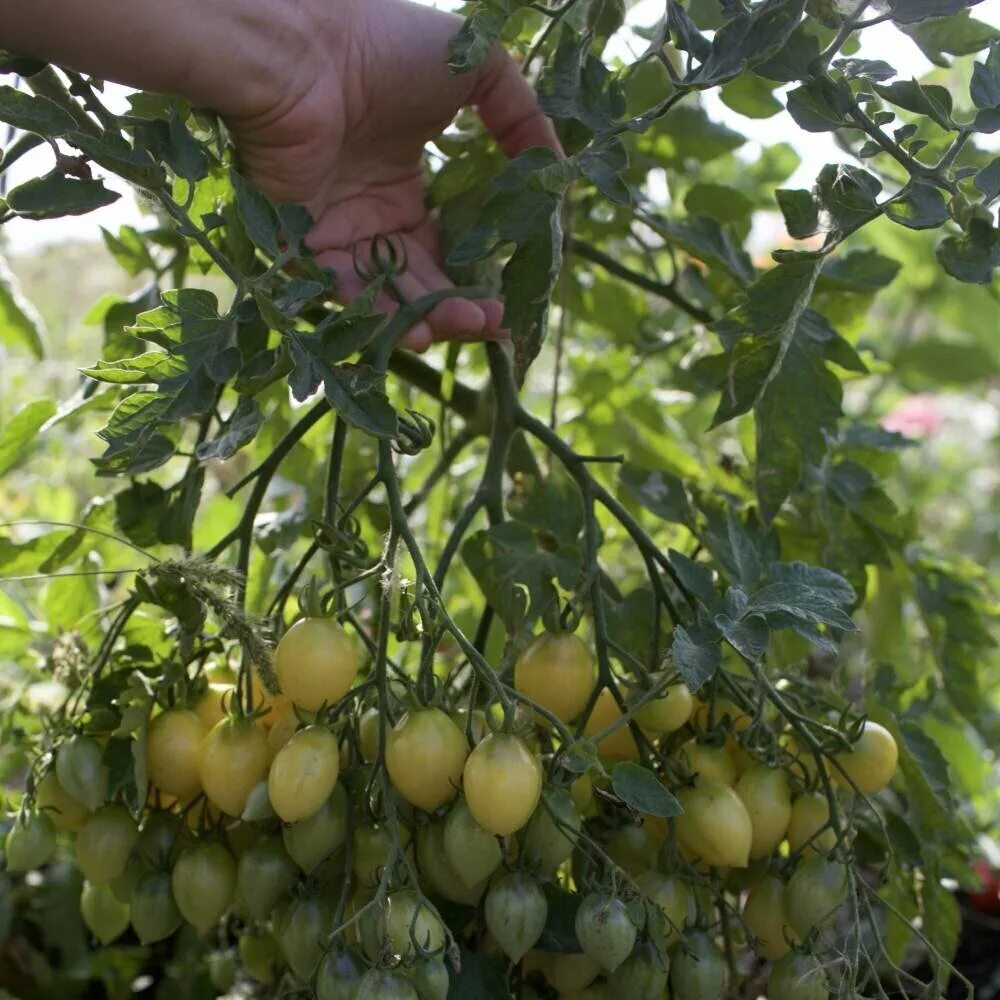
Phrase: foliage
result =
(713, 501)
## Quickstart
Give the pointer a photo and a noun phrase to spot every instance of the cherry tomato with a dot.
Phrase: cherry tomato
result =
(709, 761)
(173, 749)
(569, 973)
(503, 783)
(810, 814)
(409, 924)
(516, 911)
(721, 712)
(158, 837)
(765, 792)
(557, 672)
(233, 759)
(338, 977)
(698, 969)
(815, 892)
(283, 726)
(642, 974)
(152, 910)
(385, 984)
(303, 933)
(430, 978)
(798, 977)
(618, 745)
(670, 894)
(222, 970)
(104, 914)
(66, 813)
(765, 917)
(368, 734)
(313, 840)
(605, 930)
(551, 833)
(870, 763)
(440, 877)
(31, 842)
(303, 773)
(316, 663)
(473, 852)
(582, 791)
(212, 704)
(261, 954)
(81, 771)
(104, 843)
(425, 753)
(203, 882)
(124, 885)
(715, 826)
(667, 713)
(372, 851)
(264, 875)
(632, 848)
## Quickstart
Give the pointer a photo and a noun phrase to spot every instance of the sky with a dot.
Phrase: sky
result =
(882, 41)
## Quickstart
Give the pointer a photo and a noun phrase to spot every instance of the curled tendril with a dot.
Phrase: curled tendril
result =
(416, 432)
(388, 259)
(342, 540)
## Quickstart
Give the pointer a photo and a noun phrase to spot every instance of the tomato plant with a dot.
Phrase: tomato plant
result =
(644, 646)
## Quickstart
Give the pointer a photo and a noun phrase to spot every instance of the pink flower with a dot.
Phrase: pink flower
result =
(917, 417)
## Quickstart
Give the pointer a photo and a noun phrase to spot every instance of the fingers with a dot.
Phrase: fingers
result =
(508, 107)
(451, 319)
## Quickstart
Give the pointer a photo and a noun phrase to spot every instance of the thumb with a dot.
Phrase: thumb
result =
(508, 107)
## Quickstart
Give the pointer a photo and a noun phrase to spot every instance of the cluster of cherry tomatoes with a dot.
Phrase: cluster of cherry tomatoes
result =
(353, 848)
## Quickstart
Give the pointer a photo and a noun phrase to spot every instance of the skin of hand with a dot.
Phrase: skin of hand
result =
(329, 102)
(347, 141)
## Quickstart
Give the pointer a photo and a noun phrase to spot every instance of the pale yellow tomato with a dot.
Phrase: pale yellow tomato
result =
(870, 763)
(173, 750)
(557, 672)
(66, 813)
(303, 773)
(765, 792)
(234, 757)
(667, 713)
(709, 761)
(425, 753)
(715, 826)
(810, 814)
(316, 662)
(503, 783)
(618, 745)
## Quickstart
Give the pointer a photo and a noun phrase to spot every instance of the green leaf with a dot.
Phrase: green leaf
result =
(578, 87)
(971, 257)
(55, 195)
(859, 271)
(34, 113)
(697, 655)
(257, 214)
(848, 194)
(703, 237)
(580, 756)
(942, 920)
(923, 99)
(516, 573)
(912, 11)
(985, 85)
(17, 433)
(240, 429)
(873, 70)
(658, 492)
(752, 96)
(825, 582)
(551, 505)
(641, 790)
(800, 601)
(960, 36)
(481, 30)
(19, 321)
(919, 206)
(720, 201)
(819, 106)
(116, 155)
(696, 577)
(987, 180)
(140, 512)
(800, 211)
(524, 210)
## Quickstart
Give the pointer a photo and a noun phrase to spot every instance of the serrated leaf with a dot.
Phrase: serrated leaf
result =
(20, 323)
(860, 271)
(479, 34)
(800, 212)
(257, 214)
(826, 582)
(696, 656)
(801, 601)
(696, 577)
(54, 195)
(516, 573)
(240, 430)
(920, 206)
(971, 257)
(641, 790)
(874, 70)
(706, 239)
(658, 492)
(959, 35)
(912, 11)
(985, 86)
(34, 113)
(923, 99)
(19, 431)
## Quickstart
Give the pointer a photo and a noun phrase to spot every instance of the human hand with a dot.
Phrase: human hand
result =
(347, 137)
